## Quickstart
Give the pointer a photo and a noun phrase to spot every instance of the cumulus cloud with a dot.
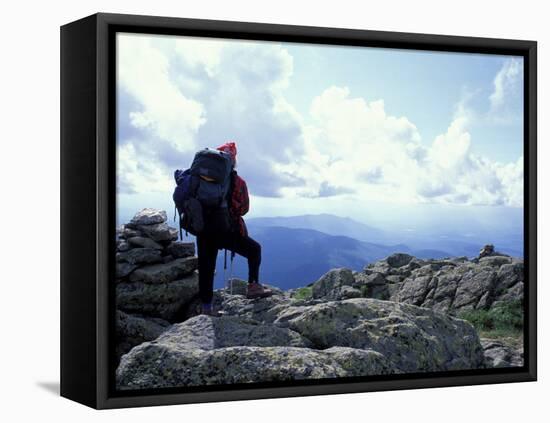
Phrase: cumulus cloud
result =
(135, 175)
(506, 80)
(453, 174)
(177, 95)
(356, 147)
(327, 190)
(165, 112)
(507, 95)
(352, 146)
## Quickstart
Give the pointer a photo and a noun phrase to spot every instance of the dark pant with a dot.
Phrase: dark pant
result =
(207, 250)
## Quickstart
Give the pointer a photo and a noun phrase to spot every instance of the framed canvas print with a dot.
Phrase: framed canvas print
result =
(256, 210)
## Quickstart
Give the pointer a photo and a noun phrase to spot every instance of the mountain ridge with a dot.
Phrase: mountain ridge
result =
(319, 252)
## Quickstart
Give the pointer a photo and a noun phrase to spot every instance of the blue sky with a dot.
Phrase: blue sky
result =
(357, 132)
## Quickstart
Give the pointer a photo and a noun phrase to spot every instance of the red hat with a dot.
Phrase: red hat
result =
(230, 148)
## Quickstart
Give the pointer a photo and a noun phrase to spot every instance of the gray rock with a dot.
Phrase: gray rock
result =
(263, 310)
(227, 350)
(165, 272)
(413, 339)
(151, 365)
(132, 330)
(122, 245)
(207, 333)
(495, 261)
(472, 286)
(159, 232)
(399, 259)
(425, 270)
(148, 217)
(514, 293)
(378, 267)
(414, 291)
(371, 279)
(125, 232)
(345, 292)
(394, 279)
(165, 300)
(454, 285)
(415, 263)
(140, 241)
(508, 275)
(445, 291)
(360, 362)
(181, 249)
(124, 269)
(275, 290)
(372, 285)
(140, 256)
(498, 354)
(328, 285)
(167, 259)
(393, 290)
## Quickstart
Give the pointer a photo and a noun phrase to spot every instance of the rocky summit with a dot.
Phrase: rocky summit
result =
(397, 315)
(448, 285)
(156, 278)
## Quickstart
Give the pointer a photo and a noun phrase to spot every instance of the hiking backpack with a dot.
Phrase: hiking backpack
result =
(201, 194)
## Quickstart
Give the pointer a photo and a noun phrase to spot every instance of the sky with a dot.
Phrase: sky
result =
(379, 135)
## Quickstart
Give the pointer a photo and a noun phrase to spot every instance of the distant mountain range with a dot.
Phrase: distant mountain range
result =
(454, 239)
(297, 250)
(327, 223)
(293, 257)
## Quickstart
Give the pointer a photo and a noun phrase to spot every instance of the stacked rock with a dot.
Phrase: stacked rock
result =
(156, 278)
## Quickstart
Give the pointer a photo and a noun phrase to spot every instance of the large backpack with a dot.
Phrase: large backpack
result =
(201, 194)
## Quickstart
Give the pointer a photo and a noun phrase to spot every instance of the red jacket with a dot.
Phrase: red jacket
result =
(240, 203)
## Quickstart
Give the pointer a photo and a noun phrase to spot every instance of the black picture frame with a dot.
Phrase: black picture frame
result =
(88, 205)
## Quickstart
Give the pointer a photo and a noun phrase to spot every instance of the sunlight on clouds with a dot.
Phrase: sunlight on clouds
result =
(505, 81)
(357, 147)
(507, 97)
(166, 112)
(451, 148)
(201, 53)
(192, 93)
(136, 175)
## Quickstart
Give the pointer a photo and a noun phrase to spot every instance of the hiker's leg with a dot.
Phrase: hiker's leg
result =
(207, 253)
(252, 251)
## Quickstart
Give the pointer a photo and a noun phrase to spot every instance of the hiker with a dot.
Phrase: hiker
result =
(213, 232)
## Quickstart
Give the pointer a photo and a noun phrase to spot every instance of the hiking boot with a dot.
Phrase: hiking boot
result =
(256, 290)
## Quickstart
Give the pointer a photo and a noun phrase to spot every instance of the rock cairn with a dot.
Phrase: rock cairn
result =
(156, 278)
